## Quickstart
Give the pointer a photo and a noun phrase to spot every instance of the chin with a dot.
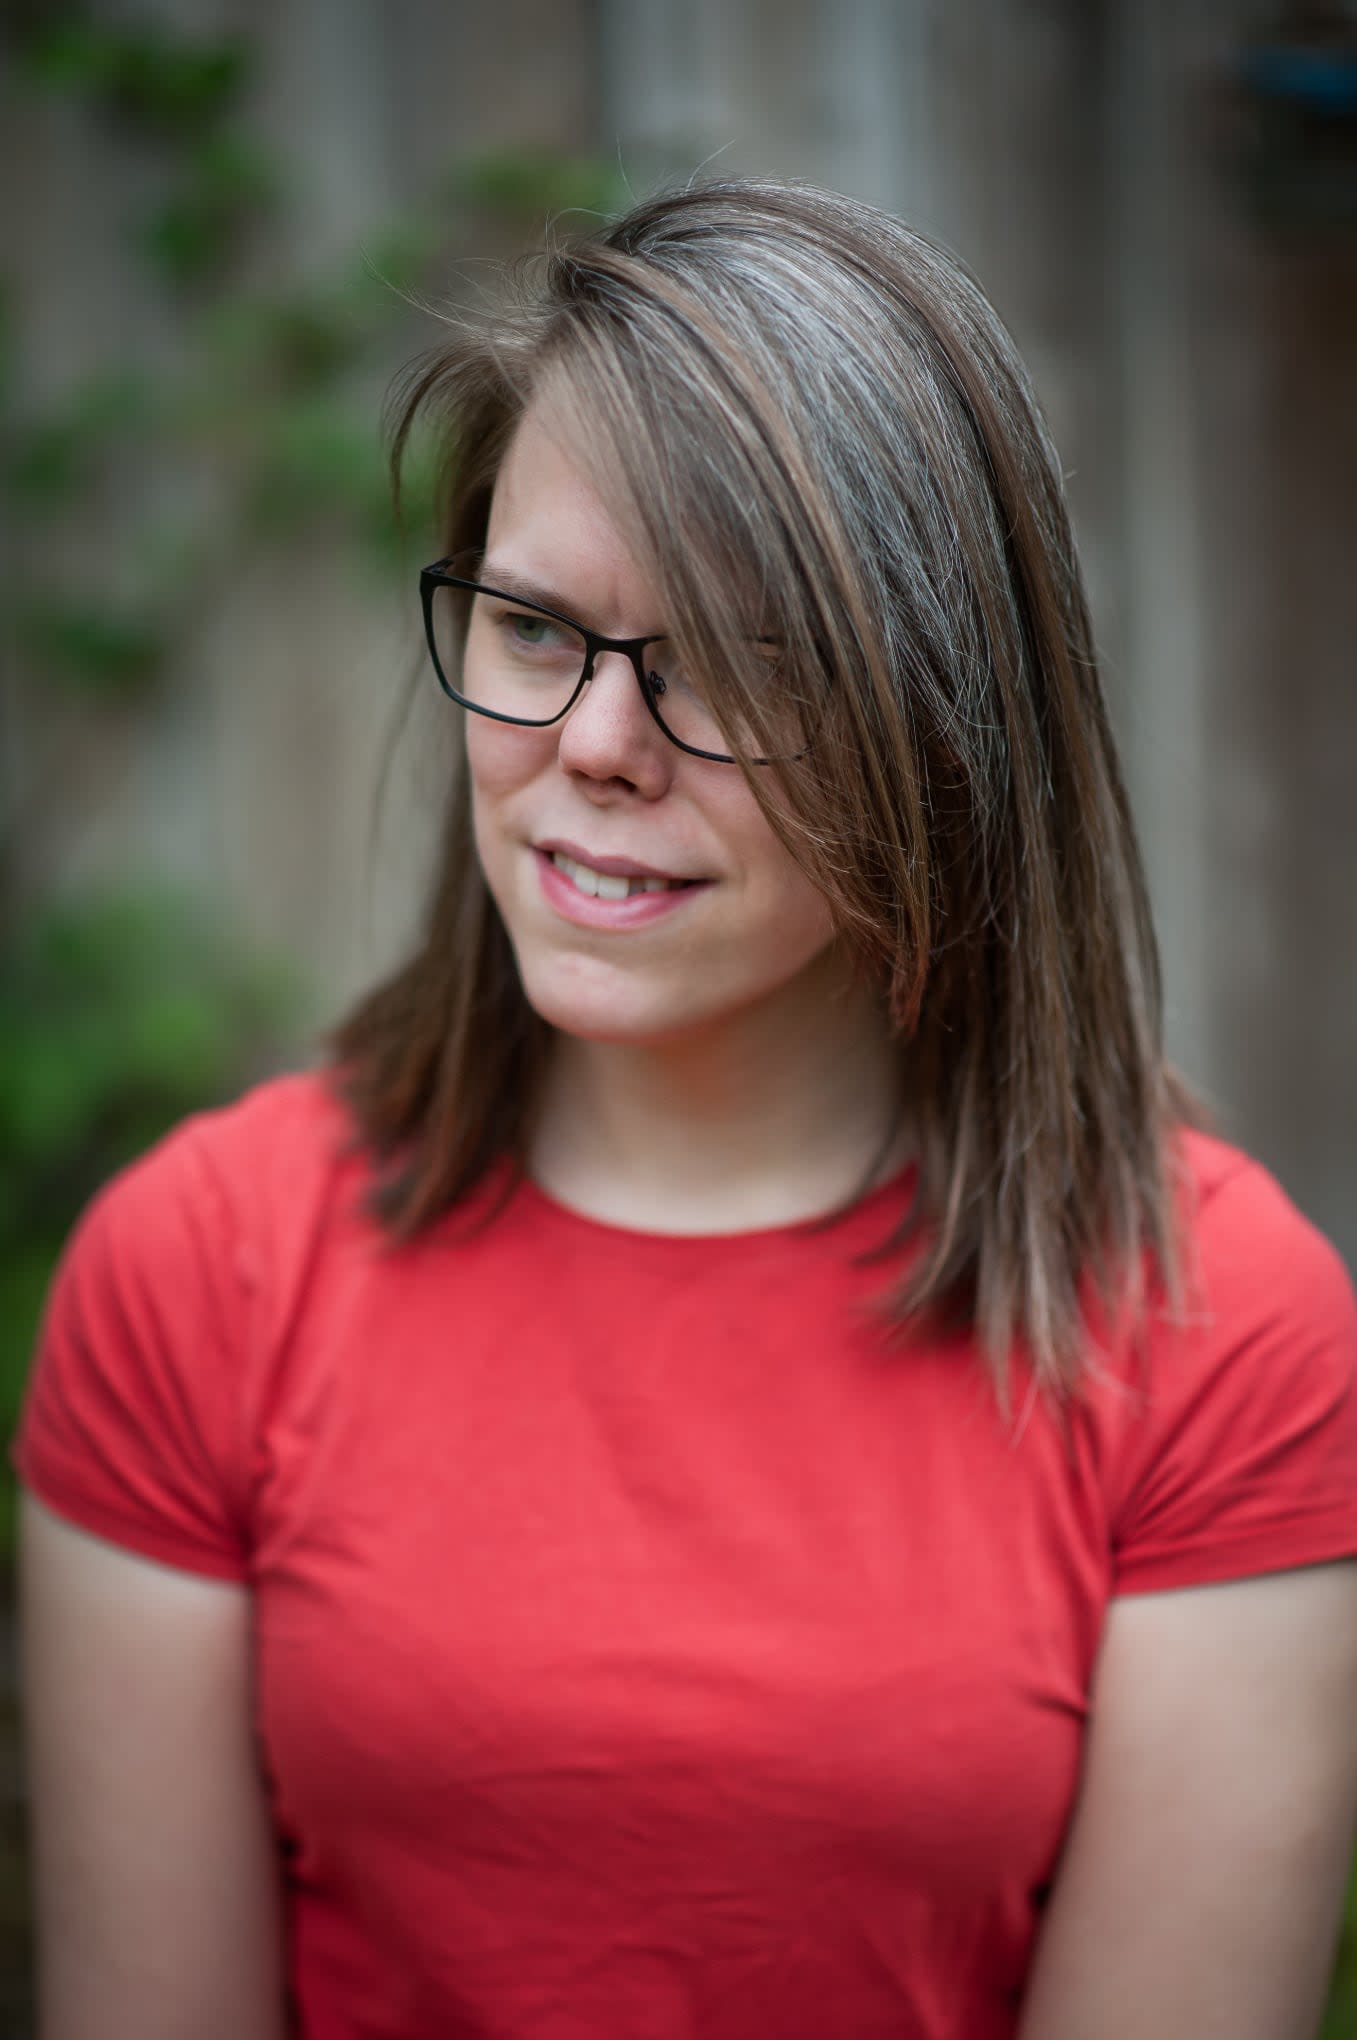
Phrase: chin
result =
(608, 1010)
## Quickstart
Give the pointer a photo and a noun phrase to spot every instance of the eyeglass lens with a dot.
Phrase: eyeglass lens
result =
(512, 659)
(518, 661)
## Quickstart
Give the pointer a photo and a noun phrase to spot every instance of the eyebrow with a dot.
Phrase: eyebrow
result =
(522, 589)
(510, 583)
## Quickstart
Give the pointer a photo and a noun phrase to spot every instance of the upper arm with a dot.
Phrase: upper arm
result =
(155, 1873)
(1200, 1891)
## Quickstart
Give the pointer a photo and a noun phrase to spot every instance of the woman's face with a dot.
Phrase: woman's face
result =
(605, 789)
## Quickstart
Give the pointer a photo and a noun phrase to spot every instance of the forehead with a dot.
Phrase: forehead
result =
(550, 524)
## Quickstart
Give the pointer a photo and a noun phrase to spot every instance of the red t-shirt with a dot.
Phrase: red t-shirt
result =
(645, 1646)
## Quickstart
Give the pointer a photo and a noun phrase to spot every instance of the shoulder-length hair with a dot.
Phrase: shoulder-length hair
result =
(813, 428)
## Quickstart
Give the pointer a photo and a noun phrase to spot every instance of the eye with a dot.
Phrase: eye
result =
(532, 632)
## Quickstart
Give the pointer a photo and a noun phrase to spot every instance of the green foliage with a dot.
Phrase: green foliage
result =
(526, 185)
(6, 346)
(224, 186)
(164, 89)
(91, 649)
(50, 461)
(157, 82)
(1340, 2022)
(273, 393)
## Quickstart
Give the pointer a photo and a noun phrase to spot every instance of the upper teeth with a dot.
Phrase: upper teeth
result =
(606, 885)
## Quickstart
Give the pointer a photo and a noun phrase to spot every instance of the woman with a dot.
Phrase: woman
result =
(735, 1464)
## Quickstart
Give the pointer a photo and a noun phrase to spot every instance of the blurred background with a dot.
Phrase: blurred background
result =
(228, 224)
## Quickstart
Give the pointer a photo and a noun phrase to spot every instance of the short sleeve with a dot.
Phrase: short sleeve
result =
(1243, 1456)
(132, 1424)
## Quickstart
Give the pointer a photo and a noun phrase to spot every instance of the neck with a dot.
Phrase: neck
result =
(769, 1116)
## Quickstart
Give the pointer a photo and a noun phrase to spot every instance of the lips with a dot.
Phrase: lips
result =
(613, 901)
(610, 867)
(606, 885)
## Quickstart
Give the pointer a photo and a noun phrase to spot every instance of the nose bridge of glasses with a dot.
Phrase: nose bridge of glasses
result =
(629, 651)
(625, 713)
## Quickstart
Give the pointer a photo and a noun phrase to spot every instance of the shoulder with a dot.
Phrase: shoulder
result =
(163, 1322)
(265, 1167)
(1227, 1437)
(1253, 1259)
(184, 1257)
(291, 1129)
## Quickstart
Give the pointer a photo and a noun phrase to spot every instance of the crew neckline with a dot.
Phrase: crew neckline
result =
(863, 1208)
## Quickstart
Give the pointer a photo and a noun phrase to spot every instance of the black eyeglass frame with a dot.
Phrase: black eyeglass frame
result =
(437, 576)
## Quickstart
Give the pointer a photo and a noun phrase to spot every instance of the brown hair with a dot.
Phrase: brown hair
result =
(814, 426)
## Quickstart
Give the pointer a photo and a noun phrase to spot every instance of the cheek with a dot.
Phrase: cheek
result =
(501, 763)
(800, 919)
(792, 912)
(500, 758)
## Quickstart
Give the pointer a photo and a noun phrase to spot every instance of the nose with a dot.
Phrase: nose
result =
(611, 734)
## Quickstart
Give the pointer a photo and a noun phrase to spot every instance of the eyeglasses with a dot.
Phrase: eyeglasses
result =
(519, 662)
